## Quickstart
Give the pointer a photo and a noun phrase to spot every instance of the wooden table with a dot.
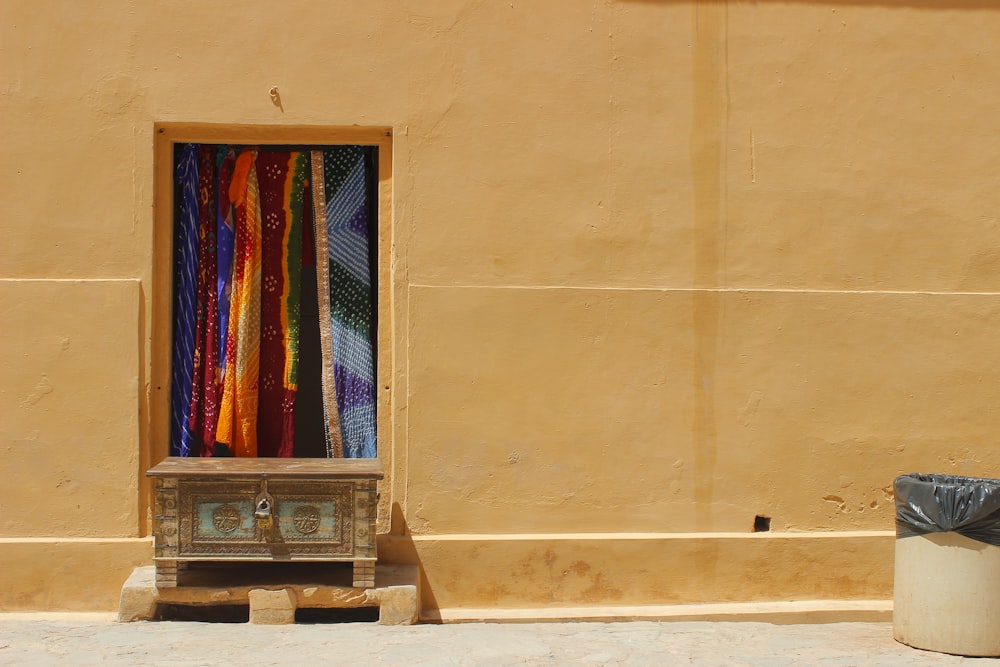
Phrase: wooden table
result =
(267, 509)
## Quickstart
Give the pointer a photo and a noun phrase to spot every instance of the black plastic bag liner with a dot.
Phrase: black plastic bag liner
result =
(968, 506)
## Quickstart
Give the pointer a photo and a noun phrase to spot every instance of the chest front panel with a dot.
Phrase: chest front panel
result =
(264, 510)
(308, 519)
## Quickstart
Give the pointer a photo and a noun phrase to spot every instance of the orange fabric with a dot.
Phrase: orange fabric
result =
(238, 411)
(241, 172)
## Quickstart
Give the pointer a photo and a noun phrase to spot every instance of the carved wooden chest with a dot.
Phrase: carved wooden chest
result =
(235, 509)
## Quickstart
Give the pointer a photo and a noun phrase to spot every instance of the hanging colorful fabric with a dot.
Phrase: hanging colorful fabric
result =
(186, 281)
(291, 312)
(225, 239)
(204, 391)
(346, 189)
(240, 252)
(272, 171)
(331, 415)
(282, 179)
(237, 426)
(225, 230)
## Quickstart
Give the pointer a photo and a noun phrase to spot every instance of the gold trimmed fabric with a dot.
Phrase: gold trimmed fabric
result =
(334, 438)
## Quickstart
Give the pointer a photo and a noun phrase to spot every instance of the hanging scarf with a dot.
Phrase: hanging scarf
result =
(291, 312)
(237, 426)
(272, 170)
(186, 281)
(331, 415)
(282, 179)
(226, 239)
(204, 394)
(348, 279)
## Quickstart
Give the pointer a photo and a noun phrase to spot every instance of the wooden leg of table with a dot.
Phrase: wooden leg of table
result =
(166, 574)
(364, 574)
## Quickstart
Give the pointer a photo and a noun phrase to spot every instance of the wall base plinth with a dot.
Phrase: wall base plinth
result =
(828, 575)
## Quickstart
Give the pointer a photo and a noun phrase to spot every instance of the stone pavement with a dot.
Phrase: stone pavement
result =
(97, 640)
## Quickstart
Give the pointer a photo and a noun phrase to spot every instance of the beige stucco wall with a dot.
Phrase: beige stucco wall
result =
(654, 268)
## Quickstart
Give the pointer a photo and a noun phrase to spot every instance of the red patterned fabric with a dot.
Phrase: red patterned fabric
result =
(272, 172)
(204, 389)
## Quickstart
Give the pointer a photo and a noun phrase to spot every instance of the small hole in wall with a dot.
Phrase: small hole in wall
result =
(761, 524)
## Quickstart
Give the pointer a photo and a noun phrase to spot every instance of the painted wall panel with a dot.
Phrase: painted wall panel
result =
(69, 400)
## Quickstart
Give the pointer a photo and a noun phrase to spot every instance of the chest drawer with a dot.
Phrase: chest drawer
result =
(310, 518)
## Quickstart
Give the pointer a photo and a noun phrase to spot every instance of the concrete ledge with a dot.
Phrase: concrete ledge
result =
(802, 611)
(62, 616)
(642, 570)
(274, 591)
(516, 572)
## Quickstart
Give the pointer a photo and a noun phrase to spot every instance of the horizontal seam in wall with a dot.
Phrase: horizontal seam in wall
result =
(527, 537)
(721, 290)
(70, 280)
(73, 540)
(749, 607)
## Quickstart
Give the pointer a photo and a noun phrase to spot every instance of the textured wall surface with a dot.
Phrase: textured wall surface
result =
(69, 436)
(656, 267)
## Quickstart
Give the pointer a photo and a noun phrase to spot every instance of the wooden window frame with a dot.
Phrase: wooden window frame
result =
(155, 438)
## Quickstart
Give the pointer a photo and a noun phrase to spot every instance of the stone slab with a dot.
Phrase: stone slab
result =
(272, 607)
(298, 585)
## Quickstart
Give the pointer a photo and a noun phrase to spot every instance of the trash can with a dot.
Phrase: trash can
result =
(947, 569)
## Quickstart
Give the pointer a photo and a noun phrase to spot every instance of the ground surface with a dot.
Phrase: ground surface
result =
(35, 640)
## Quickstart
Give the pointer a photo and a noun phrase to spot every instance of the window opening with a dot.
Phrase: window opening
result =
(275, 315)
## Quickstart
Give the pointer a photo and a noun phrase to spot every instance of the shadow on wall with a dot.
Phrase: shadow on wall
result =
(397, 547)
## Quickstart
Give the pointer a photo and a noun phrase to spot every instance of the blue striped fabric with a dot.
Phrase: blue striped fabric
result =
(351, 297)
(353, 369)
(186, 281)
(225, 239)
(348, 239)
